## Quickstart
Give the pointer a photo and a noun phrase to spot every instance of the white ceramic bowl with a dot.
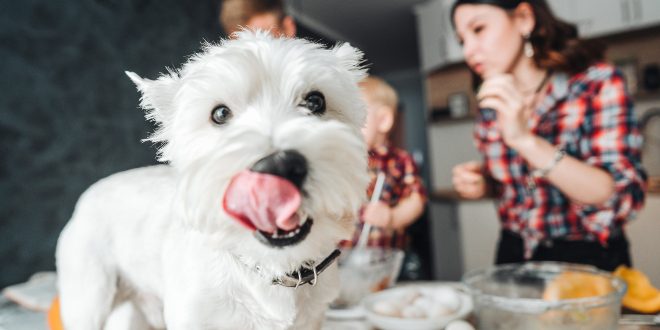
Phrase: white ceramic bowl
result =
(430, 323)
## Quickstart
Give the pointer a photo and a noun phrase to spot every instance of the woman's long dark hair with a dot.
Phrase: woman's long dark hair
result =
(556, 43)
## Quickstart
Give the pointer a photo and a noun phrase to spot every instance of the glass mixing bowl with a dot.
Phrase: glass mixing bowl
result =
(366, 270)
(511, 297)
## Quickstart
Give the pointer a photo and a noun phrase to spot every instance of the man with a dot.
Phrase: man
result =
(257, 14)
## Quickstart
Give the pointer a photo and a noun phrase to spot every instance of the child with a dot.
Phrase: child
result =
(403, 197)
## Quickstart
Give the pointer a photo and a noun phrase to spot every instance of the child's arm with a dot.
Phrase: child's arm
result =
(407, 211)
(399, 217)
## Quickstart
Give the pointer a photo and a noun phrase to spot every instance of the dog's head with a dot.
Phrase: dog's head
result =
(265, 135)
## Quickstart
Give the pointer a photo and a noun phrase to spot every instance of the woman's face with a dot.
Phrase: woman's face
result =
(491, 38)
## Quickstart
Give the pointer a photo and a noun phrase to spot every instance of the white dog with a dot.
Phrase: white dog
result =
(267, 169)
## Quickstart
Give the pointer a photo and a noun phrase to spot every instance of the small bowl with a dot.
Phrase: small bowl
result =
(430, 323)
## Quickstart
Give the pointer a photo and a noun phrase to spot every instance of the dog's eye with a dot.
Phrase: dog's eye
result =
(221, 114)
(315, 102)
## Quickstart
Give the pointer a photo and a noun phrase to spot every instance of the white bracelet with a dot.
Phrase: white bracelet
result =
(542, 172)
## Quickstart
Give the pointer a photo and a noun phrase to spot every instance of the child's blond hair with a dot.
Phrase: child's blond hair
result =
(378, 90)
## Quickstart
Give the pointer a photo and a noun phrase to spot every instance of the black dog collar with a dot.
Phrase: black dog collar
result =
(306, 275)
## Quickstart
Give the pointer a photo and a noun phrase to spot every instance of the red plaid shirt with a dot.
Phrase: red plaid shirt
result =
(590, 116)
(401, 180)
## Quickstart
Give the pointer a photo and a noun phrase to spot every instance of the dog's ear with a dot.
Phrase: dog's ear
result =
(351, 59)
(158, 102)
(157, 95)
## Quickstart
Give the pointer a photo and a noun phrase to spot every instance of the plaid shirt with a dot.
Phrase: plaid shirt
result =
(401, 180)
(590, 116)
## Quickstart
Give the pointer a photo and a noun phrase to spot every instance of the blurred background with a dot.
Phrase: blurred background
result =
(69, 116)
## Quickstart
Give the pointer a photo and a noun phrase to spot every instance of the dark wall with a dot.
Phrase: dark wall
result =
(68, 114)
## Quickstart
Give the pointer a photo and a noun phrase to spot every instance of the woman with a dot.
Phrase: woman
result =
(557, 131)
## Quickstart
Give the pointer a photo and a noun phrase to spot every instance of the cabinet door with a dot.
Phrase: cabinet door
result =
(563, 9)
(645, 12)
(601, 17)
(438, 45)
(429, 28)
(454, 48)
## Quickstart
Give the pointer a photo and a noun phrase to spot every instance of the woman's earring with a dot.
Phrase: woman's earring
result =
(528, 49)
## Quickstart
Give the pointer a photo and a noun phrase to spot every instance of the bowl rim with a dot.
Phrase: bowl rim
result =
(388, 252)
(536, 305)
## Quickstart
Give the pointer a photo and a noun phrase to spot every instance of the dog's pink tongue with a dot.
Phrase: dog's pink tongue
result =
(262, 201)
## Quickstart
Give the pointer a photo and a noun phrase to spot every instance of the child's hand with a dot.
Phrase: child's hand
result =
(378, 214)
(468, 180)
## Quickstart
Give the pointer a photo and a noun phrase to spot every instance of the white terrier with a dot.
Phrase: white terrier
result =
(267, 169)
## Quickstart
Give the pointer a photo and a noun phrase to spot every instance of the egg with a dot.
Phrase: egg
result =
(459, 325)
(437, 310)
(447, 297)
(387, 308)
(409, 297)
(413, 311)
(423, 302)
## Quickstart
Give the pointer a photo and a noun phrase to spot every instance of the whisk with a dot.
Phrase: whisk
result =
(375, 197)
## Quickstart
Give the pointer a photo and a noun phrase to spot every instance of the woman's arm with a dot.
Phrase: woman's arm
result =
(579, 181)
(608, 170)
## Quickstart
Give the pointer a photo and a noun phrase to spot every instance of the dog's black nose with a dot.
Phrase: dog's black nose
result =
(288, 164)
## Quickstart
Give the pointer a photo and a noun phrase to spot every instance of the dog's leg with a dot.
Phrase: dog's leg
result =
(127, 316)
(87, 299)
(87, 287)
(182, 312)
(150, 308)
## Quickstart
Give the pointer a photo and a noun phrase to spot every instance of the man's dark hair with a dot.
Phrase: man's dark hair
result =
(235, 13)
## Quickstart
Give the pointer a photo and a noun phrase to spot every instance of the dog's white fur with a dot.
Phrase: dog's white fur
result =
(158, 238)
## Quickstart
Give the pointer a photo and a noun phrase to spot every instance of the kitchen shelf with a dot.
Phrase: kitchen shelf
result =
(646, 96)
(450, 195)
(654, 185)
(451, 120)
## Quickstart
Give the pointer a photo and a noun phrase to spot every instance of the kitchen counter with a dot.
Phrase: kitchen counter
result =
(362, 324)
(13, 317)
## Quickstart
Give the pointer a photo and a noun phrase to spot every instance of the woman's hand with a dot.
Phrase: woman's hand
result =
(468, 180)
(378, 214)
(513, 111)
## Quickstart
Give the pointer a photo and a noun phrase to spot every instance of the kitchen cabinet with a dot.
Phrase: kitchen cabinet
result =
(435, 34)
(645, 12)
(597, 17)
(428, 34)
(464, 236)
(594, 18)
